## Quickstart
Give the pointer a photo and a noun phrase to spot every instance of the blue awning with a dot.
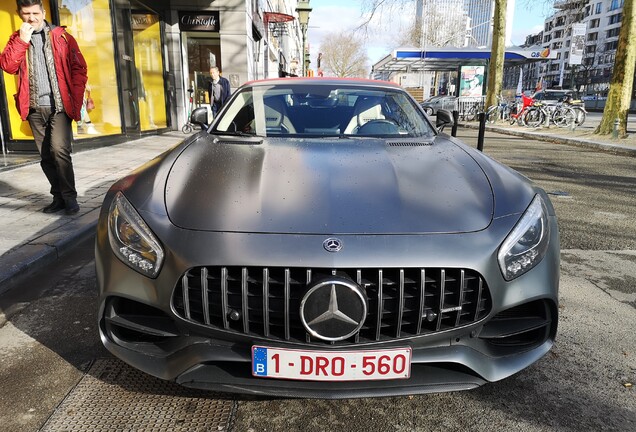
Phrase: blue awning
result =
(444, 59)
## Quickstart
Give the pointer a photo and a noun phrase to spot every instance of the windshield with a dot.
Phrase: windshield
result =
(300, 110)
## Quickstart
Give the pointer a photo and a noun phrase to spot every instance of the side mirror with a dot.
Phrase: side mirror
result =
(444, 118)
(200, 117)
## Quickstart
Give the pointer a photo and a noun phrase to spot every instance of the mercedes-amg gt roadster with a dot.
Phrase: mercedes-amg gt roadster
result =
(323, 238)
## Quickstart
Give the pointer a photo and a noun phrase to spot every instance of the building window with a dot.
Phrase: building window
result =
(615, 19)
(609, 46)
(592, 36)
(613, 32)
(599, 8)
(616, 4)
(595, 23)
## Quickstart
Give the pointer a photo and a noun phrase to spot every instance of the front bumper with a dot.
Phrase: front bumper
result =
(194, 355)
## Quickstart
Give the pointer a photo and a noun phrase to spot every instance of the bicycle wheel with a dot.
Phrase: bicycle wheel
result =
(471, 113)
(580, 115)
(493, 114)
(564, 117)
(533, 117)
(187, 128)
(505, 113)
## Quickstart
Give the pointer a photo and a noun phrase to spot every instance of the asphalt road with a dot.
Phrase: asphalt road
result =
(49, 345)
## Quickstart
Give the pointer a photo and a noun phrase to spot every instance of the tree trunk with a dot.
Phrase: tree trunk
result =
(620, 92)
(497, 53)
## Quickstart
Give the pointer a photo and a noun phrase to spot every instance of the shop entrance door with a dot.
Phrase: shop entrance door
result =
(203, 52)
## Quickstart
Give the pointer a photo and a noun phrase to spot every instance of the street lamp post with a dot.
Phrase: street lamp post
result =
(303, 9)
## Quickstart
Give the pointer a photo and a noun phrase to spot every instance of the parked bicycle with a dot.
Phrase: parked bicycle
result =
(498, 112)
(519, 109)
(541, 114)
(579, 108)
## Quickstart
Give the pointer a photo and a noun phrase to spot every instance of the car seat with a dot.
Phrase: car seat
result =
(276, 120)
(365, 109)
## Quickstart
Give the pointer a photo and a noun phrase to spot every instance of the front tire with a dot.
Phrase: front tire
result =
(533, 118)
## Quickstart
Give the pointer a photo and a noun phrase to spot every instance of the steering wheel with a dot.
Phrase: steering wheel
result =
(378, 127)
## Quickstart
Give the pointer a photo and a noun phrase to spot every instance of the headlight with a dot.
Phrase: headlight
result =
(528, 242)
(131, 239)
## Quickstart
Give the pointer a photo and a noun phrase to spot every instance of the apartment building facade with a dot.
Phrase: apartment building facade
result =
(588, 73)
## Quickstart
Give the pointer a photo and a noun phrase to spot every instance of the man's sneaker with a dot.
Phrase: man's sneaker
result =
(54, 207)
(71, 207)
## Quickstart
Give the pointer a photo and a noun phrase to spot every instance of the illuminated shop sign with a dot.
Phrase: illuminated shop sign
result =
(143, 21)
(199, 21)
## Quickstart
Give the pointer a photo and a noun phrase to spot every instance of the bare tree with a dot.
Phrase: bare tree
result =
(619, 97)
(344, 55)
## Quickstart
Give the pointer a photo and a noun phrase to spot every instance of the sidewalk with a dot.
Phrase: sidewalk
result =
(582, 136)
(31, 239)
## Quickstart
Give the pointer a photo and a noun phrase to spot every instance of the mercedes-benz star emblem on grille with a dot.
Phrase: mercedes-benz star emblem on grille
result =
(332, 244)
(333, 309)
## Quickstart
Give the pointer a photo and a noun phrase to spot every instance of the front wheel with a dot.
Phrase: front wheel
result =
(428, 111)
(564, 117)
(580, 116)
(493, 114)
(471, 113)
(534, 117)
(187, 128)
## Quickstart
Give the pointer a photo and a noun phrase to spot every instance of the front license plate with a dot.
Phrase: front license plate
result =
(305, 365)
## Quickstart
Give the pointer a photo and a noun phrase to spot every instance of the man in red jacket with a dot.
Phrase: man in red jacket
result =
(52, 77)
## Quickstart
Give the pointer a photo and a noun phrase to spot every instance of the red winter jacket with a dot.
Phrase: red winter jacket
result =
(70, 68)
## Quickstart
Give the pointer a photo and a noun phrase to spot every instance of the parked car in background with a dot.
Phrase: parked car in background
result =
(432, 105)
(550, 96)
(323, 238)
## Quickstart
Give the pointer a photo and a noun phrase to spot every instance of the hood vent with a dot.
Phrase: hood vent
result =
(409, 143)
(239, 142)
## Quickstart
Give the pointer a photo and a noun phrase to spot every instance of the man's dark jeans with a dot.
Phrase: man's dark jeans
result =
(53, 136)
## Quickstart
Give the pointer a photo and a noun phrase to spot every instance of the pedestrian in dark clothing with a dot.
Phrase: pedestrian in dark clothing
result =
(218, 89)
(52, 78)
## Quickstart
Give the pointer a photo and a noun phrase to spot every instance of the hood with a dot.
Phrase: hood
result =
(347, 186)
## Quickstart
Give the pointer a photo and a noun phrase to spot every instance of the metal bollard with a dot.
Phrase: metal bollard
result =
(617, 123)
(455, 120)
(482, 129)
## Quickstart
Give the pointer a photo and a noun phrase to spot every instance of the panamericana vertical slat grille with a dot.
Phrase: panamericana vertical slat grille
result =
(265, 302)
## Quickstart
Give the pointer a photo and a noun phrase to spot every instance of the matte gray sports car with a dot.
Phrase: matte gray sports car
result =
(322, 239)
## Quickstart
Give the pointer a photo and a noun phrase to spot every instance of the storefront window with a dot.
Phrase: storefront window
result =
(89, 21)
(149, 67)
